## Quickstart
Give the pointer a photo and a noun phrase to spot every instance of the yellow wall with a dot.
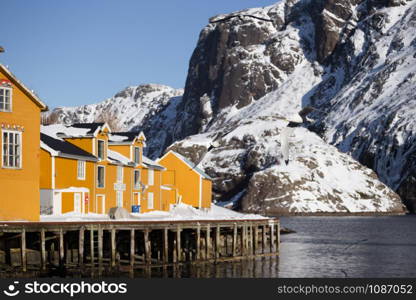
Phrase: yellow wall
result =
(186, 180)
(20, 196)
(45, 170)
(84, 143)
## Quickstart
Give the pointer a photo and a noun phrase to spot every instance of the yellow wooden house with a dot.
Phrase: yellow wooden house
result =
(88, 169)
(188, 184)
(20, 162)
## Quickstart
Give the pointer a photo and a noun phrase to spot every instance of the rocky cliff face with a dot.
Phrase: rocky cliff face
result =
(352, 59)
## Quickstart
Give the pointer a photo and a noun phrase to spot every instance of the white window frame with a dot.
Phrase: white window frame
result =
(19, 134)
(120, 174)
(150, 177)
(2, 109)
(81, 169)
(136, 185)
(136, 159)
(97, 179)
(150, 200)
(98, 150)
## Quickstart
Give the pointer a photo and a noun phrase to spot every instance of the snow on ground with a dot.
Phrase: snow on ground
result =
(180, 212)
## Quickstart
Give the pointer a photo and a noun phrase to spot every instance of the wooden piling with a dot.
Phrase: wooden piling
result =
(264, 239)
(217, 242)
(256, 239)
(61, 247)
(42, 249)
(234, 254)
(132, 247)
(81, 247)
(178, 243)
(165, 246)
(113, 247)
(198, 242)
(100, 245)
(23, 249)
(208, 242)
(272, 250)
(278, 238)
(147, 246)
(92, 245)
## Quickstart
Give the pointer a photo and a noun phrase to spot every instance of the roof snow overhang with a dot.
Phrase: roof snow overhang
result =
(32, 96)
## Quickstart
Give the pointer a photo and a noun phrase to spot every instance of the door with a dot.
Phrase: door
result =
(77, 203)
(57, 203)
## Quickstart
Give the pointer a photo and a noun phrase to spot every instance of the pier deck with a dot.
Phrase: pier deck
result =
(134, 243)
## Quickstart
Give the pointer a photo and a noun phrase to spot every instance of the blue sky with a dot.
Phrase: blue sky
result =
(84, 51)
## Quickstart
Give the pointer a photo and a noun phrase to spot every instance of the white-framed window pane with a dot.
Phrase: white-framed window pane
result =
(136, 179)
(136, 155)
(5, 99)
(100, 177)
(101, 149)
(11, 149)
(151, 177)
(81, 170)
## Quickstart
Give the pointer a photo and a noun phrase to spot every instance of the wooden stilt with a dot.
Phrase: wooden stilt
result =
(217, 242)
(132, 247)
(113, 247)
(235, 240)
(208, 242)
(242, 241)
(198, 242)
(42, 249)
(61, 246)
(165, 246)
(23, 249)
(100, 245)
(264, 239)
(92, 245)
(178, 243)
(256, 239)
(147, 247)
(81, 247)
(272, 238)
(278, 238)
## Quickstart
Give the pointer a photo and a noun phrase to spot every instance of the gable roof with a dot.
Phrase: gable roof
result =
(63, 148)
(32, 96)
(122, 137)
(189, 163)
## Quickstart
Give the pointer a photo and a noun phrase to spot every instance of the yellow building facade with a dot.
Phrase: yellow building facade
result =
(20, 162)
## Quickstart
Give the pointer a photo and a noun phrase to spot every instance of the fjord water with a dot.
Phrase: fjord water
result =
(357, 247)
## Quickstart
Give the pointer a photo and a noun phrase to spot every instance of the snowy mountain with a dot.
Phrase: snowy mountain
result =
(351, 59)
(149, 107)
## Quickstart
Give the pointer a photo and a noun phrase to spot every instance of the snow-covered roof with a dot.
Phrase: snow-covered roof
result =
(117, 158)
(189, 163)
(31, 94)
(151, 163)
(79, 130)
(59, 147)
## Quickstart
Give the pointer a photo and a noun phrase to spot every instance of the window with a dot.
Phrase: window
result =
(81, 170)
(151, 177)
(12, 150)
(137, 155)
(119, 174)
(150, 201)
(136, 179)
(100, 176)
(5, 99)
(101, 145)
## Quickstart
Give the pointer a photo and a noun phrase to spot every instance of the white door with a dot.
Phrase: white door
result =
(57, 203)
(150, 201)
(77, 202)
(119, 199)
